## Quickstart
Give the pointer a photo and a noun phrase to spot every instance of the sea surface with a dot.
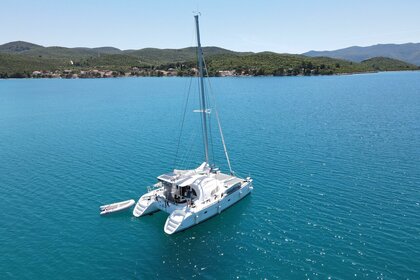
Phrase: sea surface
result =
(335, 162)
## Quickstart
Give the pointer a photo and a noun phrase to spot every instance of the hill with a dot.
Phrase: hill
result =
(12, 65)
(147, 55)
(22, 59)
(162, 56)
(18, 47)
(409, 52)
(387, 64)
(268, 63)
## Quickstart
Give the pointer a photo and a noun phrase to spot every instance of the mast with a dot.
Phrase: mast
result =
(203, 99)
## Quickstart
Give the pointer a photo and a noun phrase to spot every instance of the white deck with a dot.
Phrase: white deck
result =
(214, 193)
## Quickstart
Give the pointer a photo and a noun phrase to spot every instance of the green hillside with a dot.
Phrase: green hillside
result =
(20, 59)
(387, 64)
(282, 64)
(286, 64)
(164, 56)
(18, 47)
(12, 65)
(150, 56)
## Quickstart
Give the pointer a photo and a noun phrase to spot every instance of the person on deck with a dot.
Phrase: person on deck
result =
(188, 196)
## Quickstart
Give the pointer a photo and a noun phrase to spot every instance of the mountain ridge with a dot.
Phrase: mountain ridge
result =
(23, 59)
(27, 48)
(408, 52)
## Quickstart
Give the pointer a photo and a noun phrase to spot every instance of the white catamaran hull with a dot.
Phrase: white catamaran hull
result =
(183, 216)
(179, 221)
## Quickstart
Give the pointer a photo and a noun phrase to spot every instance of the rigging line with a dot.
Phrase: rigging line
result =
(188, 152)
(200, 100)
(211, 135)
(218, 120)
(186, 106)
(210, 126)
(182, 122)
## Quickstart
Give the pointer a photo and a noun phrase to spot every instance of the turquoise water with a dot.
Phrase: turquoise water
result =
(336, 164)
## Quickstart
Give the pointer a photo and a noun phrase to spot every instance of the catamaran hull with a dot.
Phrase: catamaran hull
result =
(192, 219)
(145, 206)
(182, 216)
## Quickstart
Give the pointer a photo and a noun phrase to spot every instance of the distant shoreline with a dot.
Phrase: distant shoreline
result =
(304, 68)
(233, 76)
(25, 60)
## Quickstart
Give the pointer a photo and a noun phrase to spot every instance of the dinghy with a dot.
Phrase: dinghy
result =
(117, 206)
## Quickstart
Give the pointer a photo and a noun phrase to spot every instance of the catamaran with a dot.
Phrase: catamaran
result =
(195, 195)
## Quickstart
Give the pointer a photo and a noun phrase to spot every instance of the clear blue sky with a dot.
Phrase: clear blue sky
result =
(292, 26)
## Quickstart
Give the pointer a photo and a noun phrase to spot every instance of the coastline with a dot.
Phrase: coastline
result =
(72, 77)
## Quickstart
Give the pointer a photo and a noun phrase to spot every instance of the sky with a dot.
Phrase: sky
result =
(293, 26)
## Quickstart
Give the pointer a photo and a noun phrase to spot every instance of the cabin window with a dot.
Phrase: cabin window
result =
(166, 184)
(233, 189)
